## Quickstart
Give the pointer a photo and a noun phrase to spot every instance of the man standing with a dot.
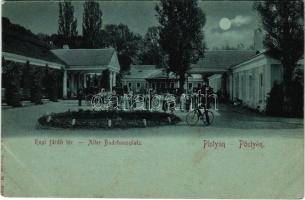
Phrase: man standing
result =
(80, 96)
(205, 102)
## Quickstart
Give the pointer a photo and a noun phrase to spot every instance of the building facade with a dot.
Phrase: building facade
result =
(135, 79)
(24, 55)
(81, 65)
(246, 76)
(214, 62)
(251, 81)
(141, 78)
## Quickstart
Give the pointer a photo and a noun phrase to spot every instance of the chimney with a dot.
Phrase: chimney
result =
(65, 46)
(258, 39)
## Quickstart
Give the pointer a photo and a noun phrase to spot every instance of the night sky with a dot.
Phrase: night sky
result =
(42, 16)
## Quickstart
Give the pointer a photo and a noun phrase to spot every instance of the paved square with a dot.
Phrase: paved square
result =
(172, 161)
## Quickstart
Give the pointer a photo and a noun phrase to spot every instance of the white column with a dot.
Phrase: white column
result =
(110, 81)
(85, 80)
(79, 81)
(72, 86)
(114, 78)
(64, 84)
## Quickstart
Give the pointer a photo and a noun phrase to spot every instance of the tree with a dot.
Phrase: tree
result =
(50, 82)
(67, 24)
(181, 34)
(274, 100)
(54, 40)
(284, 25)
(26, 79)
(92, 24)
(46, 38)
(127, 44)
(36, 87)
(152, 52)
(12, 91)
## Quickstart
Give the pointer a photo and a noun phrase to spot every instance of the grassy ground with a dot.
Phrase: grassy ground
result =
(165, 162)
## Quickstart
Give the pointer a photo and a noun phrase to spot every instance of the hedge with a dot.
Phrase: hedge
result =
(100, 119)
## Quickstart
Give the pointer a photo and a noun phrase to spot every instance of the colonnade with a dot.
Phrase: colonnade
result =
(74, 80)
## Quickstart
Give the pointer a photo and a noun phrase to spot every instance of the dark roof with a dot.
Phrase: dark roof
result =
(18, 40)
(162, 74)
(141, 71)
(221, 59)
(85, 57)
(143, 67)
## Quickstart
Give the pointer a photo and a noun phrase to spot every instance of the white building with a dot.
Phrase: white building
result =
(82, 64)
(140, 78)
(74, 68)
(251, 81)
(215, 81)
(215, 63)
(135, 79)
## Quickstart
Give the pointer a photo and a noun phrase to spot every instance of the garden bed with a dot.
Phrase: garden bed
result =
(107, 119)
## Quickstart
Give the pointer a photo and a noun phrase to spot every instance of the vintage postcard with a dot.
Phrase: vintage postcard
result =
(152, 99)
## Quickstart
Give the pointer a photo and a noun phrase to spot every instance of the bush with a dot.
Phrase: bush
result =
(297, 99)
(50, 84)
(12, 93)
(99, 119)
(36, 89)
(275, 101)
(53, 96)
(26, 81)
(293, 107)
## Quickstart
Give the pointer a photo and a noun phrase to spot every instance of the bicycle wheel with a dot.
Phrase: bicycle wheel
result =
(211, 118)
(192, 118)
(88, 99)
(96, 102)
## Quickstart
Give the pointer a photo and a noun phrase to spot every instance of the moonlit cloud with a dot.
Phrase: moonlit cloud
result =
(240, 20)
(231, 38)
(239, 33)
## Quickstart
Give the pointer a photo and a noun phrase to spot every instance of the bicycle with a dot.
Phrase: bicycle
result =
(193, 116)
(88, 99)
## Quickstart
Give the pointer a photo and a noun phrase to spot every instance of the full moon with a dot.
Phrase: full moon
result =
(225, 24)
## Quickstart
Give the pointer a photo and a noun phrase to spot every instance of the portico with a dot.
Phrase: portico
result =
(87, 68)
